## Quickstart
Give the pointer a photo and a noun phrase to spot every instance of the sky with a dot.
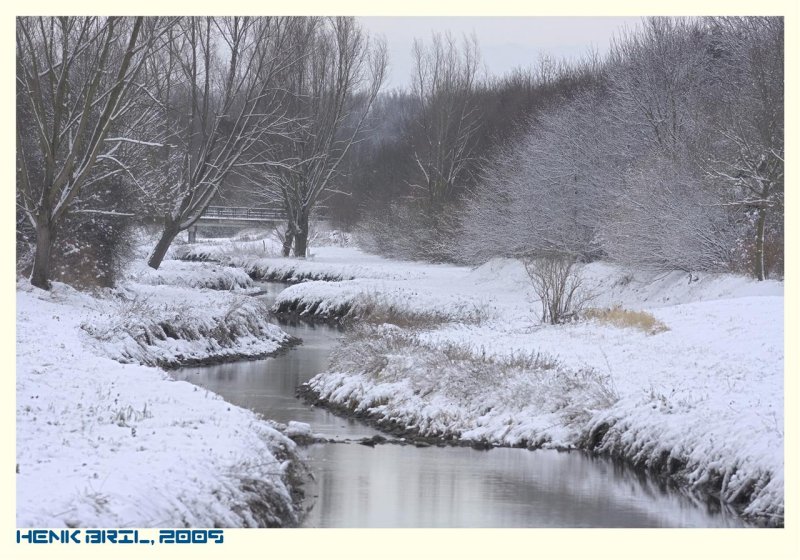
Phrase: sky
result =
(505, 42)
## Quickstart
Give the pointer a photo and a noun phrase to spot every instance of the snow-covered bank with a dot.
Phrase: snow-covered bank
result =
(261, 260)
(183, 313)
(395, 302)
(259, 253)
(101, 443)
(447, 391)
(171, 326)
(701, 402)
(191, 275)
(718, 431)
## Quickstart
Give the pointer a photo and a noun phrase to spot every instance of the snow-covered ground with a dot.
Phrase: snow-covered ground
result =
(191, 275)
(102, 443)
(701, 402)
(170, 325)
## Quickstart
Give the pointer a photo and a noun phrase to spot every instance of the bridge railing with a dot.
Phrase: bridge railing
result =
(243, 213)
(254, 214)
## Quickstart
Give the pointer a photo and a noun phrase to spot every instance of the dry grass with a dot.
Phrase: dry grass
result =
(625, 318)
(372, 310)
(467, 376)
(229, 252)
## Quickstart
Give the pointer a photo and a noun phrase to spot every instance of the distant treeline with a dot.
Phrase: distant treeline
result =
(667, 153)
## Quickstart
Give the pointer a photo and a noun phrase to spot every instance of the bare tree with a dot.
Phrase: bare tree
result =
(220, 102)
(660, 216)
(75, 79)
(332, 83)
(444, 83)
(707, 95)
(749, 156)
(614, 171)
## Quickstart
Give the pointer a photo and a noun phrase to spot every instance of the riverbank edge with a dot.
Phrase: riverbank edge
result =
(265, 506)
(215, 360)
(261, 271)
(299, 478)
(667, 467)
(667, 471)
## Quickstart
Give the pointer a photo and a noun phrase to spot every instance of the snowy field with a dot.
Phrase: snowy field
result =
(106, 441)
(108, 444)
(701, 401)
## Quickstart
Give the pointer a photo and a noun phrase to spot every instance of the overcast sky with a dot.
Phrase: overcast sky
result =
(505, 42)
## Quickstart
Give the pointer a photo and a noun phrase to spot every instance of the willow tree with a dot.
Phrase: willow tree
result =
(75, 80)
(219, 102)
(331, 85)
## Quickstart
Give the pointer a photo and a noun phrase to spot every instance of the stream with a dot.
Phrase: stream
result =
(407, 486)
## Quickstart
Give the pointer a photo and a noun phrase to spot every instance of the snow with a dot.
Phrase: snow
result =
(191, 275)
(701, 402)
(169, 325)
(222, 250)
(106, 444)
(295, 429)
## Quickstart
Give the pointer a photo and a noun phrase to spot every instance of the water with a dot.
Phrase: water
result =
(268, 386)
(406, 486)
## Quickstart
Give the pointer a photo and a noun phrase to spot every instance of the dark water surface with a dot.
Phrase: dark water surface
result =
(406, 486)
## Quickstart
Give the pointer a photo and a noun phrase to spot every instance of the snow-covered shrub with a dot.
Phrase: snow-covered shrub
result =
(410, 230)
(559, 285)
(90, 249)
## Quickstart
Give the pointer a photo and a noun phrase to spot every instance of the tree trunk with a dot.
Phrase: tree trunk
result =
(40, 275)
(760, 269)
(288, 241)
(167, 237)
(301, 236)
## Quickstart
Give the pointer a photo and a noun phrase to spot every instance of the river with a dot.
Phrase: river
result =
(407, 486)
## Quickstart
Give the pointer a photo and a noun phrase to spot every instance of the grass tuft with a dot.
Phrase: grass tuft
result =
(625, 318)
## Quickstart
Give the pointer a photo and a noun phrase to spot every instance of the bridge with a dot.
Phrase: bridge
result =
(243, 217)
(237, 216)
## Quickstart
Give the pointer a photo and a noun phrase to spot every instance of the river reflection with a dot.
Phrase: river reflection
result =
(406, 486)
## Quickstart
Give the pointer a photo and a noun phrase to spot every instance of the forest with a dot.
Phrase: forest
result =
(665, 153)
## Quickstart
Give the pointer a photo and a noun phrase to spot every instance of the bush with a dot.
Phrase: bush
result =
(559, 287)
(411, 230)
